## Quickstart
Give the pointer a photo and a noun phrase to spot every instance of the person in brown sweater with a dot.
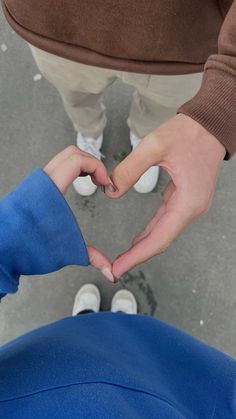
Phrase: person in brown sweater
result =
(158, 46)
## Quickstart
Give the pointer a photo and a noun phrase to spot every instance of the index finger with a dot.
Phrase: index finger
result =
(167, 228)
(70, 168)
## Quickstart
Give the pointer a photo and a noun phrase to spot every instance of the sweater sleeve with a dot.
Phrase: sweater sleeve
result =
(39, 233)
(214, 106)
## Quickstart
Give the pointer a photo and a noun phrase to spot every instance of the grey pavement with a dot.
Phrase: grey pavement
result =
(191, 286)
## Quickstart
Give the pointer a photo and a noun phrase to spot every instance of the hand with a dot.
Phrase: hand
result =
(63, 169)
(192, 157)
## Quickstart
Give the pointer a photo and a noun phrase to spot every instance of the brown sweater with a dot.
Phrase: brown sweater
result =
(154, 36)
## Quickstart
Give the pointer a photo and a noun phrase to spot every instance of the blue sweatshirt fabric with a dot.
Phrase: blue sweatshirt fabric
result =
(38, 234)
(111, 365)
(103, 365)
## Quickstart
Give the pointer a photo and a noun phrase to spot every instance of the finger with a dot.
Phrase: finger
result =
(167, 228)
(100, 262)
(127, 173)
(95, 181)
(59, 158)
(100, 176)
(169, 190)
(150, 225)
(70, 168)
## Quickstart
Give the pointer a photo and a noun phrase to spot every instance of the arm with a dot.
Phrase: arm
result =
(190, 147)
(214, 106)
(39, 233)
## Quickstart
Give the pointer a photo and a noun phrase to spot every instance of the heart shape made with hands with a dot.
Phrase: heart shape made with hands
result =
(63, 169)
(187, 196)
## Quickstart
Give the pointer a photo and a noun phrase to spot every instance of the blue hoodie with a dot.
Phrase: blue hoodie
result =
(105, 365)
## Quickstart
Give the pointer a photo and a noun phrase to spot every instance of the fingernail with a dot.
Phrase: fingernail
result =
(108, 274)
(111, 188)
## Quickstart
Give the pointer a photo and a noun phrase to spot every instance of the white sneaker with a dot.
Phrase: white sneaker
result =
(84, 185)
(87, 298)
(148, 180)
(125, 301)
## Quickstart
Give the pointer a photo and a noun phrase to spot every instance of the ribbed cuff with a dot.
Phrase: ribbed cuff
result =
(39, 233)
(214, 107)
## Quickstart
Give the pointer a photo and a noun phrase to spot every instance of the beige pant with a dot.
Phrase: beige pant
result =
(81, 87)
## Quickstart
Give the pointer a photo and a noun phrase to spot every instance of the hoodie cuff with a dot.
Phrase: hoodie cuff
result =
(39, 232)
(214, 107)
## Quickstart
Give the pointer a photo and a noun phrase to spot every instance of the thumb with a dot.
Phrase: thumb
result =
(127, 173)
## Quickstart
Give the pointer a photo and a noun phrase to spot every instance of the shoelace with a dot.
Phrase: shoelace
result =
(89, 145)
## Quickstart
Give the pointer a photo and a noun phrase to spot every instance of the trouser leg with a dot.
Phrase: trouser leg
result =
(81, 88)
(157, 100)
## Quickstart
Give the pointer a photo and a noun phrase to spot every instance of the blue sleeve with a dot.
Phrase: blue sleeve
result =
(39, 233)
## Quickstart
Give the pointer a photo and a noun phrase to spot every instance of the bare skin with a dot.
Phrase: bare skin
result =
(66, 167)
(192, 157)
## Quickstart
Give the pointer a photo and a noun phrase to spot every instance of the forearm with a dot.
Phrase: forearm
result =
(38, 234)
(214, 106)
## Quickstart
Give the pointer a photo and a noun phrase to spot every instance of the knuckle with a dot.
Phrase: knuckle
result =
(75, 158)
(72, 149)
(154, 143)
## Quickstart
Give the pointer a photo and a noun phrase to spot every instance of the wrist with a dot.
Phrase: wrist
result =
(202, 135)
